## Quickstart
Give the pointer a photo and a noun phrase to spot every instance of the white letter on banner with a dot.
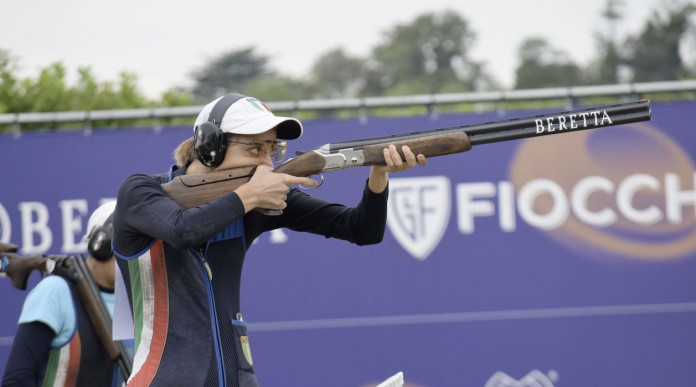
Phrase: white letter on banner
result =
(580, 196)
(626, 192)
(506, 206)
(5, 225)
(676, 199)
(72, 225)
(525, 202)
(40, 227)
(467, 208)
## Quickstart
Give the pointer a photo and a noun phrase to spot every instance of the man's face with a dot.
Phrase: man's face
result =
(241, 153)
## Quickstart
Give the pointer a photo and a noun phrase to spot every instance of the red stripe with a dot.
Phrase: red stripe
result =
(267, 108)
(160, 321)
(75, 349)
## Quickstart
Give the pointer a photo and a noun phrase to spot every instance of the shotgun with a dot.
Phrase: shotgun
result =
(8, 248)
(73, 269)
(193, 190)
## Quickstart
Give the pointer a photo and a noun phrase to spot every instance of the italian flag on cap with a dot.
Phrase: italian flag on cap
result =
(258, 104)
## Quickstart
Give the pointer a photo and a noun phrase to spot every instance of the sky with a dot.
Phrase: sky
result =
(163, 42)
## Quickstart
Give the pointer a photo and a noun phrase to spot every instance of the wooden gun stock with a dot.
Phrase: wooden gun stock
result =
(20, 268)
(193, 190)
(8, 248)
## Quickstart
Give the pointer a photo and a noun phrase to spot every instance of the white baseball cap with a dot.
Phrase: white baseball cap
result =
(249, 115)
(99, 217)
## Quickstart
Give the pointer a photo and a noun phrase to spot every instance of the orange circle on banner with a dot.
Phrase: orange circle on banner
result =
(614, 154)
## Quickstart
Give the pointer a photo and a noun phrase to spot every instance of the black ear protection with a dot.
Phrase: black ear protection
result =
(208, 139)
(99, 240)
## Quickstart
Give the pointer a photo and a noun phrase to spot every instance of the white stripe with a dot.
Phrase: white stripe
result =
(148, 295)
(63, 361)
(519, 314)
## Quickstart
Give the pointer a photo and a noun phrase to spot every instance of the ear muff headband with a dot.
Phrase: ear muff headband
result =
(99, 241)
(209, 140)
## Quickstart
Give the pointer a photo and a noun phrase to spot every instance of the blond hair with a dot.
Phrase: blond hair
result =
(184, 153)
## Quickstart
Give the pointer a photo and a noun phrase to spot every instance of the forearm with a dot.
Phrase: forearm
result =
(378, 174)
(144, 207)
(379, 179)
(362, 225)
(31, 345)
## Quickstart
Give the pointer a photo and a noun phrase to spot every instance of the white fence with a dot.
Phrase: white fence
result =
(570, 94)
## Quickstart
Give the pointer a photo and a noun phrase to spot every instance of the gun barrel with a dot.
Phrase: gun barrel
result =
(612, 111)
(516, 128)
(525, 132)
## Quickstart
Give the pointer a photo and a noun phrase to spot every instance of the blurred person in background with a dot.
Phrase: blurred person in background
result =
(55, 343)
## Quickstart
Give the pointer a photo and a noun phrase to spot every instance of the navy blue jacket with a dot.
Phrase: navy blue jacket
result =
(183, 270)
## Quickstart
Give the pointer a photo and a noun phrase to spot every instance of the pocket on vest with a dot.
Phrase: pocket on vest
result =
(244, 359)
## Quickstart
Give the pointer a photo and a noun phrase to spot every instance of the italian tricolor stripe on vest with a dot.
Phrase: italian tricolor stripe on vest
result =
(64, 364)
(150, 312)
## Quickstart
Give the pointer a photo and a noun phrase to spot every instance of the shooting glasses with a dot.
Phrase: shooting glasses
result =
(273, 148)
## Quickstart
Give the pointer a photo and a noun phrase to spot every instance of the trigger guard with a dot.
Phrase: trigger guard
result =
(318, 185)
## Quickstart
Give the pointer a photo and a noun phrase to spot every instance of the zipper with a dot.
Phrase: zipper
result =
(208, 277)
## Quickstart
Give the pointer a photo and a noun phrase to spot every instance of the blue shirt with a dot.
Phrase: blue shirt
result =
(51, 303)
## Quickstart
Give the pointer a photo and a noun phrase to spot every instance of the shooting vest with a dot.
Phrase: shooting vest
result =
(185, 305)
(82, 361)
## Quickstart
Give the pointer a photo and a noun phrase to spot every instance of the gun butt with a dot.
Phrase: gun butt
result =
(19, 268)
(194, 190)
(8, 248)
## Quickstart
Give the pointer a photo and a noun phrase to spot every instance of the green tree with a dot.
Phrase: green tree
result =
(176, 97)
(10, 84)
(654, 54)
(428, 55)
(276, 88)
(230, 72)
(544, 66)
(50, 91)
(605, 70)
(337, 75)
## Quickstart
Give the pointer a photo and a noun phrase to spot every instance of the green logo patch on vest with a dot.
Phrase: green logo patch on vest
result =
(246, 349)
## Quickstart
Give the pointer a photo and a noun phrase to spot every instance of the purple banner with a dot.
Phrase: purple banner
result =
(559, 260)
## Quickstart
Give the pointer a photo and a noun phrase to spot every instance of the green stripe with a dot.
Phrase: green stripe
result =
(137, 293)
(257, 106)
(52, 367)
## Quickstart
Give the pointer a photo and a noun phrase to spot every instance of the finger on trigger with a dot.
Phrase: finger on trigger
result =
(309, 182)
(300, 180)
